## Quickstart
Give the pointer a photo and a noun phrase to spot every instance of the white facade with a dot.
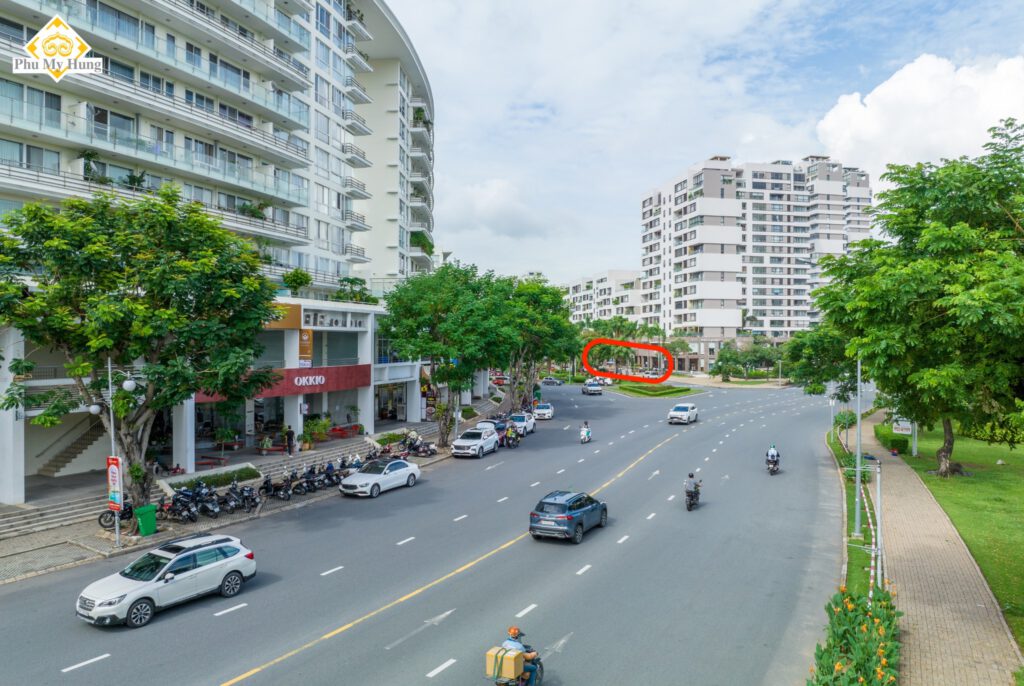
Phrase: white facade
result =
(615, 292)
(731, 247)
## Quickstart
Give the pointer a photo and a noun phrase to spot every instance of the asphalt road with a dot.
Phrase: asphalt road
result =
(413, 587)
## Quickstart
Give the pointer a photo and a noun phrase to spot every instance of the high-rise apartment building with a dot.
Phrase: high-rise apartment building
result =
(727, 247)
(611, 293)
(306, 125)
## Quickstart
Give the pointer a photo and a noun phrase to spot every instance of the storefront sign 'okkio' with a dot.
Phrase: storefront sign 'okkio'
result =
(315, 380)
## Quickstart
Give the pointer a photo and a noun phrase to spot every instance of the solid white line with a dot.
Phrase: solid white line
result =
(535, 483)
(623, 539)
(230, 609)
(525, 611)
(460, 518)
(438, 670)
(580, 460)
(332, 571)
(672, 497)
(559, 471)
(501, 500)
(87, 662)
(583, 570)
(411, 538)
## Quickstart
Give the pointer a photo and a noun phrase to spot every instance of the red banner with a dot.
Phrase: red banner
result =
(312, 380)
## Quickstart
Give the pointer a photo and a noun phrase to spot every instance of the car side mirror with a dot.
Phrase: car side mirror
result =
(168, 577)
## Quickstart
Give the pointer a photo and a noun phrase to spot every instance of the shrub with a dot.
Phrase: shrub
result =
(218, 480)
(389, 438)
(496, 399)
(861, 641)
(578, 378)
(845, 419)
(317, 428)
(847, 460)
(468, 413)
(885, 436)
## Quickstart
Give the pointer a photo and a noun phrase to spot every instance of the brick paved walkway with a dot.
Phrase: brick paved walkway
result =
(953, 631)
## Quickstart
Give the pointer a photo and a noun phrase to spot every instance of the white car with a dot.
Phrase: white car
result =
(544, 411)
(525, 423)
(476, 442)
(683, 413)
(179, 570)
(605, 381)
(380, 475)
(591, 388)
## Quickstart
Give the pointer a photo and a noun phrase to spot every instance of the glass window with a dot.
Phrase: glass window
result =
(182, 565)
(323, 20)
(42, 159)
(323, 54)
(193, 55)
(12, 30)
(228, 551)
(208, 557)
(145, 568)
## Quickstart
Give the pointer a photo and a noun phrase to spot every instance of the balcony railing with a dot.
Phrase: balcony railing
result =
(416, 151)
(352, 151)
(319, 278)
(357, 55)
(354, 218)
(350, 82)
(352, 116)
(355, 184)
(355, 250)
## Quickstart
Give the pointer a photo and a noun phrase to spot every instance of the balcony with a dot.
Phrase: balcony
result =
(421, 204)
(320, 279)
(355, 92)
(422, 131)
(355, 23)
(354, 221)
(40, 184)
(418, 256)
(422, 180)
(355, 124)
(106, 35)
(356, 189)
(354, 157)
(419, 227)
(358, 60)
(418, 103)
(422, 156)
(295, 5)
(356, 254)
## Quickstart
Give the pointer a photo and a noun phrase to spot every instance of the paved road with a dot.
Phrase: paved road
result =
(421, 582)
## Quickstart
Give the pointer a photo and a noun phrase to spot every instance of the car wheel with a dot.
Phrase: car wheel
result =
(411, 481)
(604, 519)
(536, 537)
(577, 535)
(231, 585)
(479, 452)
(139, 614)
(374, 491)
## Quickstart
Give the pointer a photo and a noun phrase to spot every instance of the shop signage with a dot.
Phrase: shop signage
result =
(305, 348)
(114, 483)
(301, 381)
(311, 380)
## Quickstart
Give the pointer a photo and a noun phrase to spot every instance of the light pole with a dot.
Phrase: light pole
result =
(856, 495)
(95, 409)
(780, 372)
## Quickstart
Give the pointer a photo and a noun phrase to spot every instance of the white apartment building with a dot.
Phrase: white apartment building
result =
(730, 247)
(615, 292)
(258, 110)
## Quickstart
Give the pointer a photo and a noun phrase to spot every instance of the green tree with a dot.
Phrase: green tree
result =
(937, 316)
(296, 280)
(729, 361)
(353, 289)
(454, 318)
(816, 358)
(156, 286)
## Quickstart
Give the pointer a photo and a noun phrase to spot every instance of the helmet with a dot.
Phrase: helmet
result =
(773, 446)
(691, 475)
(514, 632)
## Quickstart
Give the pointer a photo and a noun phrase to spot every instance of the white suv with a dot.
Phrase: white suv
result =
(524, 422)
(179, 570)
(683, 413)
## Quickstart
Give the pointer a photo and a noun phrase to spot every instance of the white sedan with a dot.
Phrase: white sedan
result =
(379, 475)
(544, 411)
(476, 442)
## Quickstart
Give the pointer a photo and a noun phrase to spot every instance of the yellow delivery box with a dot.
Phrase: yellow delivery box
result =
(503, 663)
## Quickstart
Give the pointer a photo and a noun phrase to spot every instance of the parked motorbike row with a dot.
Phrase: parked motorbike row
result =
(312, 479)
(412, 445)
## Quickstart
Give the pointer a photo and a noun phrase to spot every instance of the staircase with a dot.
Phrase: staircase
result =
(93, 433)
(28, 519)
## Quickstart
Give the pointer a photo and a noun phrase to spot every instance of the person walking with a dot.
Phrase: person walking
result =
(289, 438)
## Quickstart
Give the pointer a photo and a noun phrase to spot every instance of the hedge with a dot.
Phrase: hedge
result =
(845, 418)
(496, 399)
(468, 413)
(389, 438)
(885, 436)
(219, 479)
(861, 641)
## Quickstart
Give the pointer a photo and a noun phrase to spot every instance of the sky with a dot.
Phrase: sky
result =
(554, 118)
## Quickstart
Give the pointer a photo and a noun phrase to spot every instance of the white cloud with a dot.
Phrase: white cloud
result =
(928, 110)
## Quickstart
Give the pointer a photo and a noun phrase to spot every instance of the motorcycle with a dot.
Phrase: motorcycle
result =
(524, 678)
(282, 490)
(183, 509)
(692, 499)
(298, 486)
(421, 448)
(584, 435)
(772, 466)
(106, 518)
(246, 496)
(206, 501)
(512, 441)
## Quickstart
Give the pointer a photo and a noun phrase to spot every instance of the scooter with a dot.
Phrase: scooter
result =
(127, 513)
(584, 435)
(773, 467)
(512, 441)
(692, 499)
(524, 678)
(281, 490)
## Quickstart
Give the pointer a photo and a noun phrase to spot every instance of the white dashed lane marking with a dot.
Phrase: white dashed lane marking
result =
(501, 500)
(583, 570)
(460, 518)
(404, 541)
(332, 571)
(535, 483)
(560, 471)
(440, 668)
(87, 662)
(623, 539)
(651, 516)
(232, 609)
(526, 610)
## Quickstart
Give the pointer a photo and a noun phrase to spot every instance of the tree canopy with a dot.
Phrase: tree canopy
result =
(156, 286)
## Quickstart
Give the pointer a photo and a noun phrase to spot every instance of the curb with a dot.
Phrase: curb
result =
(846, 524)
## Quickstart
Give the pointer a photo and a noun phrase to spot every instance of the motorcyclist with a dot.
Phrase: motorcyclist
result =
(773, 456)
(515, 642)
(511, 433)
(585, 429)
(691, 485)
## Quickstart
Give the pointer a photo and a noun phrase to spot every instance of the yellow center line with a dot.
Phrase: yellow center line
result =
(421, 589)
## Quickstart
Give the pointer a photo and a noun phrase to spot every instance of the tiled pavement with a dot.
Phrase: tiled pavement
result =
(952, 630)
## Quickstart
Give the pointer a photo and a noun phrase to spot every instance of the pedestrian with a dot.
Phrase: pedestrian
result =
(289, 437)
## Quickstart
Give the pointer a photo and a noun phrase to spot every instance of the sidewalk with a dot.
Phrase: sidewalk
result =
(952, 630)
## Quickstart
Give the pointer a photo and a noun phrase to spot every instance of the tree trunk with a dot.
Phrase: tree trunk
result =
(947, 467)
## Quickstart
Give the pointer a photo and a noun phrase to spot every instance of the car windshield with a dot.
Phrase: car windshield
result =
(681, 408)
(544, 407)
(145, 568)
(550, 508)
(472, 435)
(518, 418)
(372, 468)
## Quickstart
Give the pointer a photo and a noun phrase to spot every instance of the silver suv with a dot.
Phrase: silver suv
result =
(179, 570)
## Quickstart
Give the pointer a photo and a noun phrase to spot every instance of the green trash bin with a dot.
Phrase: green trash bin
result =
(146, 514)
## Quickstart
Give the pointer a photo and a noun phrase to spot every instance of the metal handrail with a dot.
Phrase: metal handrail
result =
(355, 250)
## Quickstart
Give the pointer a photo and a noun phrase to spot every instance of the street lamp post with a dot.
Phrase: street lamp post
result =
(95, 409)
(856, 495)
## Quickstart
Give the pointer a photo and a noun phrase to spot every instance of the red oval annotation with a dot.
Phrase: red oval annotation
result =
(670, 366)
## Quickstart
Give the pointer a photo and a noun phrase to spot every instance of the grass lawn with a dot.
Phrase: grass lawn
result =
(987, 509)
(646, 390)
(858, 560)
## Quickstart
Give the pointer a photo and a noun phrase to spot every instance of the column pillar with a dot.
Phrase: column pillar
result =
(12, 426)
(367, 416)
(291, 348)
(293, 413)
(183, 418)
(413, 410)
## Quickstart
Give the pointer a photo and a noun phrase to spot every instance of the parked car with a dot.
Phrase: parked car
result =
(592, 388)
(683, 413)
(605, 381)
(179, 570)
(567, 514)
(551, 381)
(499, 380)
(379, 475)
(544, 411)
(652, 374)
(475, 443)
(525, 423)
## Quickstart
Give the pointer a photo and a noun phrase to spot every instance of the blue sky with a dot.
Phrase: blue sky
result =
(554, 118)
